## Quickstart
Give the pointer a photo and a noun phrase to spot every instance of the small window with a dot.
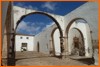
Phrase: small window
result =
(21, 37)
(24, 44)
(27, 37)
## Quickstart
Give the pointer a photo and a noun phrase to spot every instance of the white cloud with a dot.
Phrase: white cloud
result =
(52, 23)
(30, 29)
(22, 25)
(49, 6)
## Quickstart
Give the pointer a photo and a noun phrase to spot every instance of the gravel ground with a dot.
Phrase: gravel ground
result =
(40, 59)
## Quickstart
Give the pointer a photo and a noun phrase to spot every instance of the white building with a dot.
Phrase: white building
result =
(84, 23)
(81, 22)
(24, 42)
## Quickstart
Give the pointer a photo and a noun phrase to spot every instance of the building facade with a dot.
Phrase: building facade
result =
(24, 42)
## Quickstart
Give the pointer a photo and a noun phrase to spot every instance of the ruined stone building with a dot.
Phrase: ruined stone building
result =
(80, 26)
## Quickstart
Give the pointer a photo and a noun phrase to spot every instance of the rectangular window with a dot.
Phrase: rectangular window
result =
(24, 44)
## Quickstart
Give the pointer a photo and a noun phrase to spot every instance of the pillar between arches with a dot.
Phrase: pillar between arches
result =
(64, 46)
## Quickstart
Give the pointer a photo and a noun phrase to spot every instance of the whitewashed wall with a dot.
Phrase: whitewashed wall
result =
(56, 37)
(19, 12)
(44, 38)
(89, 12)
(87, 41)
(19, 41)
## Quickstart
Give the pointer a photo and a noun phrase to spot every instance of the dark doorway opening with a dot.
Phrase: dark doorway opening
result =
(38, 47)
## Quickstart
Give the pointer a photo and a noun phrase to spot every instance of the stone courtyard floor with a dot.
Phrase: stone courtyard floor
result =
(40, 59)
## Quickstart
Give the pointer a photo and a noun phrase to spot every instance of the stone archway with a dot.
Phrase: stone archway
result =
(55, 46)
(52, 48)
(83, 26)
(76, 48)
(42, 13)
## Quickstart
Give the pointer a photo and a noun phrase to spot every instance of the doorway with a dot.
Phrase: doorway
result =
(38, 47)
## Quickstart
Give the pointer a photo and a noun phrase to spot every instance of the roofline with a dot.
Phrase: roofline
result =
(24, 34)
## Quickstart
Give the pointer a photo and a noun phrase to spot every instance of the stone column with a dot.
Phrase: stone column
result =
(10, 37)
(11, 51)
(64, 47)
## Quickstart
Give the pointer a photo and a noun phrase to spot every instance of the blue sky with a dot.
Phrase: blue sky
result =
(34, 24)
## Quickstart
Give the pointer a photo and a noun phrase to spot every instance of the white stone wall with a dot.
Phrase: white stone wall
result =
(44, 38)
(56, 37)
(89, 12)
(19, 12)
(19, 41)
(87, 42)
(41, 37)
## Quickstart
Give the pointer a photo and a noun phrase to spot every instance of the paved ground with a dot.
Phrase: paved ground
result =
(39, 59)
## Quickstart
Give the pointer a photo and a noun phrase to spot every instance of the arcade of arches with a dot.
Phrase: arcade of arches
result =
(70, 35)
